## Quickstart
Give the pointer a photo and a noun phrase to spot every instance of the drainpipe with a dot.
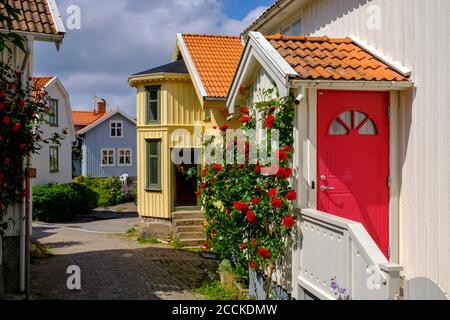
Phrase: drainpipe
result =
(24, 223)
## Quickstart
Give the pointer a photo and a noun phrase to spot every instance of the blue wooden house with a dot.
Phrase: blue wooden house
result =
(108, 145)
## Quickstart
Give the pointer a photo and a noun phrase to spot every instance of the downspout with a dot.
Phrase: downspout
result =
(24, 223)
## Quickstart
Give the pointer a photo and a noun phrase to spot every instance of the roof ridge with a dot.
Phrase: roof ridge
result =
(209, 35)
(324, 38)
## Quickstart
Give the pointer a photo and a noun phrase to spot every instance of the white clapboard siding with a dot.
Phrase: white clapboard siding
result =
(416, 35)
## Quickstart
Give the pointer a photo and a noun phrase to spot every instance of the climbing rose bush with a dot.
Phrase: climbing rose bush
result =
(250, 216)
(20, 136)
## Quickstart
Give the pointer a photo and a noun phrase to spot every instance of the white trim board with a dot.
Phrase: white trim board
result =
(103, 119)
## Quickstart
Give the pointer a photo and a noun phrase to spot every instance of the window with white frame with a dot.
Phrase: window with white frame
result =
(125, 157)
(116, 129)
(108, 157)
(293, 29)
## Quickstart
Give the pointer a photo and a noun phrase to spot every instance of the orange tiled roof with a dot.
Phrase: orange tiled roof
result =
(35, 17)
(216, 59)
(332, 59)
(85, 118)
(40, 82)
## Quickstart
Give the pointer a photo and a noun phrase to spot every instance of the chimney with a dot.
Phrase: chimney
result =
(101, 106)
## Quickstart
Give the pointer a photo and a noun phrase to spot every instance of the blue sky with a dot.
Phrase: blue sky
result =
(122, 37)
(238, 9)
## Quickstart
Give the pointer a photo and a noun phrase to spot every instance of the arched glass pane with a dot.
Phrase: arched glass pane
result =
(368, 129)
(359, 118)
(346, 117)
(337, 129)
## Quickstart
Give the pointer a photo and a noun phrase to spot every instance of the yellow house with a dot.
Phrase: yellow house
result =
(188, 94)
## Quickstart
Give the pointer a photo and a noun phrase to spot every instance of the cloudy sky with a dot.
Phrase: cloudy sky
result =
(121, 37)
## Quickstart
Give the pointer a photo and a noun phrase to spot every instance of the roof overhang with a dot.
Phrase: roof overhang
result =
(103, 119)
(345, 84)
(135, 81)
(259, 51)
(195, 76)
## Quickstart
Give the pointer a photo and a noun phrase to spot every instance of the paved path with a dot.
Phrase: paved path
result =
(112, 265)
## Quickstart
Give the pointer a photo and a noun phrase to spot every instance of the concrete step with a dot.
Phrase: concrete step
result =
(188, 222)
(190, 235)
(182, 215)
(194, 228)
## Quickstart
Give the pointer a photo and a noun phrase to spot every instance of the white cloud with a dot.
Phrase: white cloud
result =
(122, 37)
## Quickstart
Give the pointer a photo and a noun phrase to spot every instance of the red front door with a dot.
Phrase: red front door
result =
(353, 159)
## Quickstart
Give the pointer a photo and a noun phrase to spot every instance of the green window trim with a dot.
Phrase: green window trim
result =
(53, 105)
(207, 114)
(153, 175)
(54, 159)
(152, 103)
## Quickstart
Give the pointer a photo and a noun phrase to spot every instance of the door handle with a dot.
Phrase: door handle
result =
(324, 188)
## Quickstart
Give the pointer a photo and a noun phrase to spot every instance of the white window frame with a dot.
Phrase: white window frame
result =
(115, 122)
(108, 156)
(119, 156)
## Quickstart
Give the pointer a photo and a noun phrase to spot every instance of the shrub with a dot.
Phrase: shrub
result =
(58, 203)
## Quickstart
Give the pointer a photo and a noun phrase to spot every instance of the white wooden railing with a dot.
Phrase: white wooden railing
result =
(336, 248)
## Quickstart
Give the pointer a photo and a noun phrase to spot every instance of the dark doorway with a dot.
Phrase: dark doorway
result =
(185, 187)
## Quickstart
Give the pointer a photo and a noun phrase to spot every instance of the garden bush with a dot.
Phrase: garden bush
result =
(110, 191)
(59, 203)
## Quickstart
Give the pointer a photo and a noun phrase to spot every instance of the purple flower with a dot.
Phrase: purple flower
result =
(343, 291)
(334, 285)
(233, 258)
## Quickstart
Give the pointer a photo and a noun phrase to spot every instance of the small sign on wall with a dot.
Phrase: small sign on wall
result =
(31, 173)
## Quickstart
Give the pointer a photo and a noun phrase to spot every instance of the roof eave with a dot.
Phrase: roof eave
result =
(134, 79)
(361, 84)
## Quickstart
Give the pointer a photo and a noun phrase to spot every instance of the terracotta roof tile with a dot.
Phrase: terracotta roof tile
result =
(35, 16)
(38, 84)
(216, 59)
(85, 118)
(334, 59)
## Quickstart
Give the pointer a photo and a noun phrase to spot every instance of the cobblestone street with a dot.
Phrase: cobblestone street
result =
(113, 266)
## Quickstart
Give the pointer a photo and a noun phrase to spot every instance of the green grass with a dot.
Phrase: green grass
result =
(148, 241)
(177, 244)
(215, 291)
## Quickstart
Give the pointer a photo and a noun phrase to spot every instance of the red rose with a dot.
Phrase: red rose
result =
(287, 149)
(214, 127)
(204, 172)
(241, 89)
(224, 127)
(264, 253)
(258, 169)
(244, 208)
(21, 103)
(287, 173)
(205, 246)
(270, 120)
(6, 120)
(16, 127)
(202, 186)
(245, 119)
(281, 155)
(273, 109)
(217, 167)
(2, 96)
(276, 203)
(22, 146)
(252, 265)
(1, 139)
(254, 243)
(243, 246)
(291, 195)
(280, 172)
(255, 201)
(6, 162)
(238, 205)
(251, 217)
(273, 192)
(288, 222)
(198, 193)
(2, 107)
(245, 110)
